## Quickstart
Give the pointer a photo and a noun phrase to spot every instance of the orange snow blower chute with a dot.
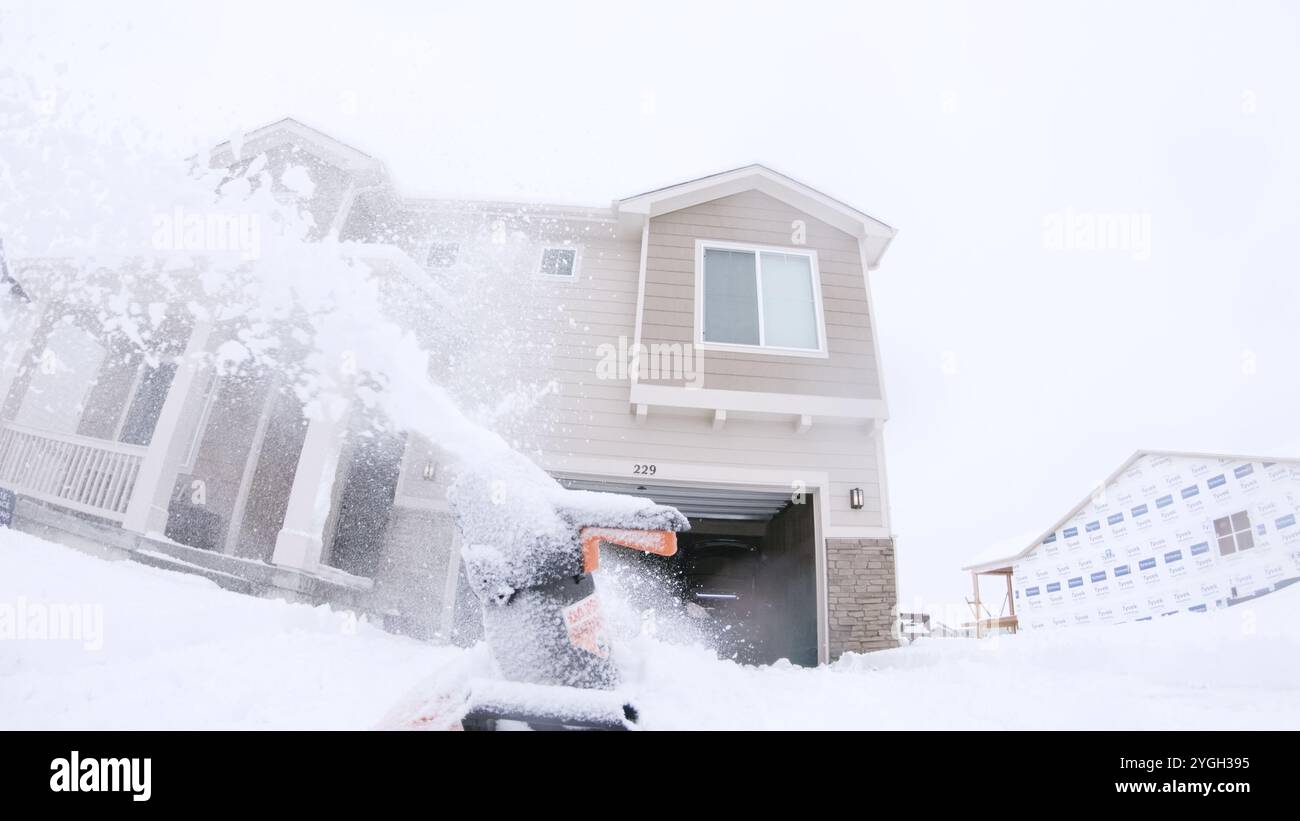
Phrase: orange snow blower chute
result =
(658, 542)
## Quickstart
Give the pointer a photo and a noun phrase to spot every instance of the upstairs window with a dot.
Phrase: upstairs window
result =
(443, 254)
(1233, 533)
(759, 297)
(559, 262)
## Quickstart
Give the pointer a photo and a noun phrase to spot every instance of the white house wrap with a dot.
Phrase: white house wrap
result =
(1168, 533)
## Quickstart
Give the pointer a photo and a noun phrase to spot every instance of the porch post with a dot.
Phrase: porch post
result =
(151, 494)
(301, 540)
(1011, 600)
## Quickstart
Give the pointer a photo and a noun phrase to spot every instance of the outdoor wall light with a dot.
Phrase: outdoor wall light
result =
(856, 498)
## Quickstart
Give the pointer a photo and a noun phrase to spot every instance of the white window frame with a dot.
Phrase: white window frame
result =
(737, 347)
(455, 256)
(577, 262)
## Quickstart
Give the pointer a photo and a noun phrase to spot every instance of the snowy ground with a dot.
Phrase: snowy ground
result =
(175, 651)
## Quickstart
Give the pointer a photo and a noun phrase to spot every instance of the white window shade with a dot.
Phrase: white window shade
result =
(789, 303)
(730, 297)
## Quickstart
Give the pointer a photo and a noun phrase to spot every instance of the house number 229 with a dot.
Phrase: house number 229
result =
(644, 470)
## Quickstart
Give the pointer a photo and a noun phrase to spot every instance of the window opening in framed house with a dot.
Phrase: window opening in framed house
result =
(1233, 533)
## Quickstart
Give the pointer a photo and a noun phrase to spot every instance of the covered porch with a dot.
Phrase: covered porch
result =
(985, 622)
(154, 440)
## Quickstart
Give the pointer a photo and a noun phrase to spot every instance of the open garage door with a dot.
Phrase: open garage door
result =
(749, 564)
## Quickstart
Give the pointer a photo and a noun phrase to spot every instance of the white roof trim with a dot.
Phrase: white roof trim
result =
(991, 564)
(318, 143)
(761, 178)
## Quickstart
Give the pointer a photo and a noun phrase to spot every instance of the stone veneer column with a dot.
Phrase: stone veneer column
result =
(862, 598)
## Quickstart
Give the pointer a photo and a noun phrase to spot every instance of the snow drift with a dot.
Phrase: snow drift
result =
(180, 653)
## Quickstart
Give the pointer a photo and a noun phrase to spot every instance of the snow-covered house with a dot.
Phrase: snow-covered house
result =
(709, 344)
(1167, 533)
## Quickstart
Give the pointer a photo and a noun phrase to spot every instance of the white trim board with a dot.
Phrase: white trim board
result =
(318, 143)
(634, 374)
(788, 404)
(753, 177)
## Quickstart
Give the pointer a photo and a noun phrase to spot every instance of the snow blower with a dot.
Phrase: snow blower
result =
(548, 639)
(529, 556)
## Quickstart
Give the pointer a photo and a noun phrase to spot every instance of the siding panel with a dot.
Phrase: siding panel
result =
(574, 325)
(753, 217)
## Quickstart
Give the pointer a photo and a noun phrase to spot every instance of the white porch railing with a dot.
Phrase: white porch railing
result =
(77, 472)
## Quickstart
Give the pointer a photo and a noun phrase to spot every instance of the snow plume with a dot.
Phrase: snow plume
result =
(111, 226)
(145, 248)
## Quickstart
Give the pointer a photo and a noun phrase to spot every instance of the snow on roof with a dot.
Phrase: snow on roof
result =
(1004, 552)
(1000, 549)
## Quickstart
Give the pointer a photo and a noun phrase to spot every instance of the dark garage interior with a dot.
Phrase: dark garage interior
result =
(748, 565)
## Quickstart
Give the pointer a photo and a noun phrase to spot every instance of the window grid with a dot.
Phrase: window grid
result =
(558, 257)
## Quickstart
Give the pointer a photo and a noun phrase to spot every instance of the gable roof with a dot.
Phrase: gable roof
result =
(633, 211)
(309, 139)
(983, 561)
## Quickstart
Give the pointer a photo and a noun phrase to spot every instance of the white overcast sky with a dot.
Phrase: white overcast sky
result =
(1017, 373)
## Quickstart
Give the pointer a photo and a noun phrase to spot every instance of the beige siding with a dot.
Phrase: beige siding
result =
(754, 217)
(589, 416)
